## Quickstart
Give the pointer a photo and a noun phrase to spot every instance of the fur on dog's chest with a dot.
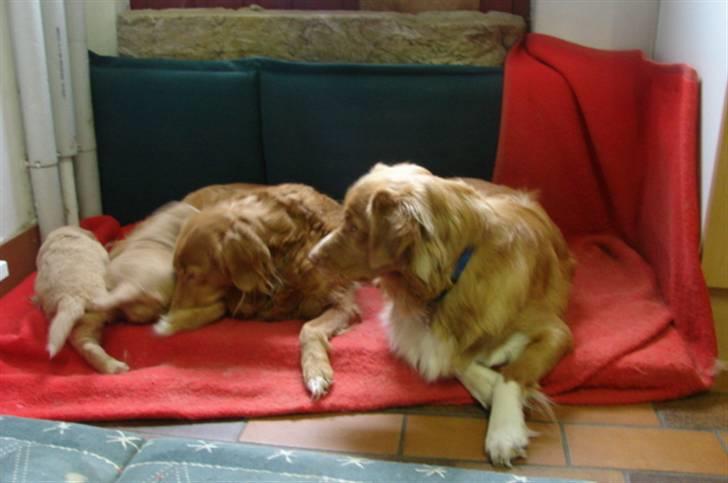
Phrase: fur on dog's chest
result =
(412, 339)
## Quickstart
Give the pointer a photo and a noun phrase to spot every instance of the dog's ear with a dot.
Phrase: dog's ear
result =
(247, 260)
(396, 223)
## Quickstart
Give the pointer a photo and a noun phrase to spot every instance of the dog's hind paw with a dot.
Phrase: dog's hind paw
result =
(163, 327)
(318, 386)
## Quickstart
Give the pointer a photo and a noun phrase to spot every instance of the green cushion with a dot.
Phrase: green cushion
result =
(325, 125)
(165, 128)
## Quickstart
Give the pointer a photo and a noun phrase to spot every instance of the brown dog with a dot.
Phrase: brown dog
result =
(71, 268)
(248, 258)
(476, 278)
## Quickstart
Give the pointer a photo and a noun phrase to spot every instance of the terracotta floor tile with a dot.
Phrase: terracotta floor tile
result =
(445, 437)
(463, 439)
(598, 476)
(357, 433)
(546, 448)
(721, 383)
(705, 411)
(646, 477)
(635, 414)
(646, 449)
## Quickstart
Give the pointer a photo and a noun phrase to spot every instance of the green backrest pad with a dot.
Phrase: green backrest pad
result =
(167, 127)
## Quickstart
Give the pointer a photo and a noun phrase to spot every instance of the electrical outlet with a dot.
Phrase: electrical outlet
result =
(4, 270)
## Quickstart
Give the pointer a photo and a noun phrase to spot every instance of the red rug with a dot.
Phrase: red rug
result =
(610, 141)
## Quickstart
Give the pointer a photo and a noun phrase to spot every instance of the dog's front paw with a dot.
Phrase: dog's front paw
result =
(318, 387)
(318, 380)
(114, 366)
(163, 327)
(507, 444)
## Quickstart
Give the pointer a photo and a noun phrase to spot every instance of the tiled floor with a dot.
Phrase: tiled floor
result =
(681, 441)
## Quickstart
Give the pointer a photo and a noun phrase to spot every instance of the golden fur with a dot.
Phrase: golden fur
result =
(248, 258)
(140, 277)
(214, 194)
(408, 228)
(71, 267)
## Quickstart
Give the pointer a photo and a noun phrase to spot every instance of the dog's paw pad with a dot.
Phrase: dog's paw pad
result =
(163, 327)
(318, 386)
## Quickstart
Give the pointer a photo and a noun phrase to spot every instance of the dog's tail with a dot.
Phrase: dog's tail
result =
(70, 309)
(122, 293)
(538, 402)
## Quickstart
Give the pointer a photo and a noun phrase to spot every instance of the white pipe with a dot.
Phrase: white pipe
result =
(87, 169)
(29, 52)
(59, 78)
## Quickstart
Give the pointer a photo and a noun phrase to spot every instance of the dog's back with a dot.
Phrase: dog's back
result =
(71, 268)
(141, 274)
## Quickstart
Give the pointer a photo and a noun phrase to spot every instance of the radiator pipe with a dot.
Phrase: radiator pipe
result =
(59, 79)
(87, 170)
(26, 27)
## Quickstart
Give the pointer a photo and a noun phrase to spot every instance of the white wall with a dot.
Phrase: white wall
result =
(602, 24)
(101, 24)
(16, 200)
(696, 33)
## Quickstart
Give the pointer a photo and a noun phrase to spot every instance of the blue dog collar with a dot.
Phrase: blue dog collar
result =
(460, 265)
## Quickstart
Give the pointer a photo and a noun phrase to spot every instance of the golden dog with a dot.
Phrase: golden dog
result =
(476, 276)
(248, 257)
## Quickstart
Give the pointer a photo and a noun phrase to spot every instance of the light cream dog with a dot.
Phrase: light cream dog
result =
(71, 269)
(140, 277)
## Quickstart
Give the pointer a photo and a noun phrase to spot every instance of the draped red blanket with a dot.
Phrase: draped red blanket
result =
(609, 140)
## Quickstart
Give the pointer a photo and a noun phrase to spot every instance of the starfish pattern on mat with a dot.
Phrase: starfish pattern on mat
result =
(203, 445)
(428, 471)
(124, 439)
(351, 460)
(60, 427)
(282, 453)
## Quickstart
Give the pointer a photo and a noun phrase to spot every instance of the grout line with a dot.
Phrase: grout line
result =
(660, 416)
(565, 444)
(723, 443)
(242, 430)
(402, 432)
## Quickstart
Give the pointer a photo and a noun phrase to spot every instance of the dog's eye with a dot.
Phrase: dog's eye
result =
(351, 229)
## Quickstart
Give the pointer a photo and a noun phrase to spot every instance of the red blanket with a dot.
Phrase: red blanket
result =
(609, 140)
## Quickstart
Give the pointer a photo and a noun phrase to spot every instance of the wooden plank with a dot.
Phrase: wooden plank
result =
(20, 253)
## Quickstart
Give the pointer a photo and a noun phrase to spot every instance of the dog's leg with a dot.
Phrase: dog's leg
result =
(189, 319)
(507, 436)
(86, 339)
(480, 381)
(318, 375)
(506, 352)
(546, 347)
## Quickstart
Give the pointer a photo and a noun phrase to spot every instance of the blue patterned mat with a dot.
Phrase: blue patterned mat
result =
(40, 451)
